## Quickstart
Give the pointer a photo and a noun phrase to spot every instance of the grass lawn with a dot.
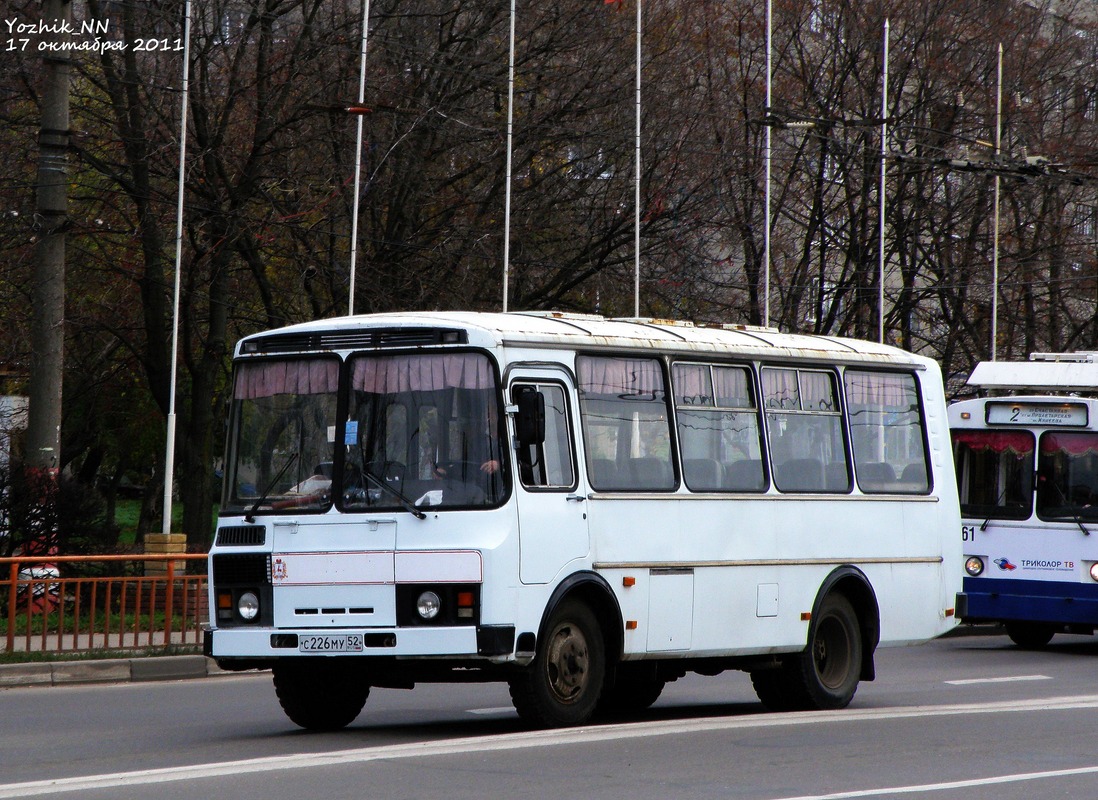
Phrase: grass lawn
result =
(127, 511)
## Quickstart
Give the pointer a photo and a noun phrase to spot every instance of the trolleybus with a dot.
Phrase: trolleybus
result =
(1027, 470)
(584, 508)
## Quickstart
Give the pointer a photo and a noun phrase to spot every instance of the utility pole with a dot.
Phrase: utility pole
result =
(43, 445)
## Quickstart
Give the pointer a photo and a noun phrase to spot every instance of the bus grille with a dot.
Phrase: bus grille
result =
(241, 536)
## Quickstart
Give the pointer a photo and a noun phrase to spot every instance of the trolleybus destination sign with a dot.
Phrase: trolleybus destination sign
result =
(1035, 413)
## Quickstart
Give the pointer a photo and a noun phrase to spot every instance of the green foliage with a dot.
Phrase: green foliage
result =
(50, 656)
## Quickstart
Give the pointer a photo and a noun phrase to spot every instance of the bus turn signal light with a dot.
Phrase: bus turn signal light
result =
(465, 602)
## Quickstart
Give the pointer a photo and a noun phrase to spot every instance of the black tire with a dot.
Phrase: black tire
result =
(1030, 635)
(831, 665)
(632, 693)
(778, 690)
(319, 695)
(561, 688)
(825, 674)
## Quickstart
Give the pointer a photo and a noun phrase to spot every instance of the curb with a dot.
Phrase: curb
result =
(111, 670)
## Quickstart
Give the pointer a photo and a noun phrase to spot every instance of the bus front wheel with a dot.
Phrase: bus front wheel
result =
(319, 695)
(561, 688)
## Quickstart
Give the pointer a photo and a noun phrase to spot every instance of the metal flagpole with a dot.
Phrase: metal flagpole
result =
(507, 170)
(884, 153)
(169, 448)
(358, 154)
(766, 185)
(995, 245)
(637, 183)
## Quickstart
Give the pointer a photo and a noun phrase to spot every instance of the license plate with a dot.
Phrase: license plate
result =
(330, 643)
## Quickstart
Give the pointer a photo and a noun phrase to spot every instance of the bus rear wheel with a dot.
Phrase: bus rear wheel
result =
(319, 695)
(825, 674)
(561, 688)
(1030, 635)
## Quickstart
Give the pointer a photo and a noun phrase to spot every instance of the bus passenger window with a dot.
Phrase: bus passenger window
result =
(804, 422)
(886, 427)
(626, 426)
(718, 428)
(549, 464)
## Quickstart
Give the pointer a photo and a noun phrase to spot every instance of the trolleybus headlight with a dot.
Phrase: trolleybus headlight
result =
(428, 605)
(975, 565)
(1094, 570)
(247, 606)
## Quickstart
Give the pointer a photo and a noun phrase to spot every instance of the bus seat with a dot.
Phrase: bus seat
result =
(604, 474)
(651, 473)
(875, 475)
(800, 475)
(836, 477)
(745, 476)
(703, 474)
(915, 476)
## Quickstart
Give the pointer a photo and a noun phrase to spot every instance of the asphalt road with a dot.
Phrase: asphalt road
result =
(970, 717)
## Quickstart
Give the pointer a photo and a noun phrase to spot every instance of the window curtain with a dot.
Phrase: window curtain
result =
(880, 390)
(1076, 444)
(1019, 443)
(780, 390)
(270, 378)
(422, 373)
(621, 378)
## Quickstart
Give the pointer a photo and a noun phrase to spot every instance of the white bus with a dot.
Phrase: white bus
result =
(1027, 471)
(584, 508)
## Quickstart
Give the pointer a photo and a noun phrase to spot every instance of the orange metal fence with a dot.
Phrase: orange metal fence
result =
(85, 603)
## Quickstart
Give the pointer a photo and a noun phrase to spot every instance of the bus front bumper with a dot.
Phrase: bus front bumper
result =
(1009, 600)
(263, 644)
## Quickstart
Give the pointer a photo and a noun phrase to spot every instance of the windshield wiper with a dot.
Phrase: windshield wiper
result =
(250, 516)
(998, 504)
(1069, 507)
(408, 505)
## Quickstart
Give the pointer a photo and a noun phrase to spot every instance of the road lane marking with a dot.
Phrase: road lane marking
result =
(1009, 679)
(941, 787)
(492, 711)
(530, 739)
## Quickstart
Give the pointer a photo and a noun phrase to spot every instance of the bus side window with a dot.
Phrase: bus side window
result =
(886, 427)
(548, 464)
(718, 426)
(626, 423)
(805, 427)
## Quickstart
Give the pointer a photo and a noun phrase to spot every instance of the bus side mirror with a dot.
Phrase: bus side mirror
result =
(530, 420)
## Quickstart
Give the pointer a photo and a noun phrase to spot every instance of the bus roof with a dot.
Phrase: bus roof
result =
(1044, 373)
(580, 331)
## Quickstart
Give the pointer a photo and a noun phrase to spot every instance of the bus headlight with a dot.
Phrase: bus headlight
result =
(974, 565)
(247, 606)
(1094, 571)
(428, 605)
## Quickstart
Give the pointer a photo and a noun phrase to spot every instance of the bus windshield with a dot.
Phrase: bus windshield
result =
(421, 431)
(995, 473)
(283, 439)
(1067, 476)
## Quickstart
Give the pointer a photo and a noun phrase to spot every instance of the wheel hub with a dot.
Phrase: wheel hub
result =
(567, 663)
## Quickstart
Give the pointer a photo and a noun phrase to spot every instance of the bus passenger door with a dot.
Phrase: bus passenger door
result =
(551, 495)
